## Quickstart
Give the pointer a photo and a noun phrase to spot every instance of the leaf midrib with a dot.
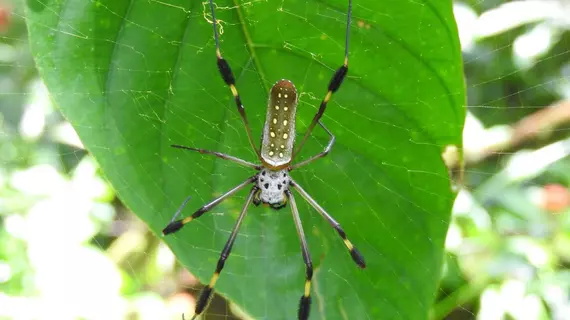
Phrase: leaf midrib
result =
(250, 45)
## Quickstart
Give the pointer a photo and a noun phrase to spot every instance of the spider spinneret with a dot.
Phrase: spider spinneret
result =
(272, 184)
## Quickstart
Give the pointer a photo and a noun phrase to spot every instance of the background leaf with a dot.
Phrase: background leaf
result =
(134, 77)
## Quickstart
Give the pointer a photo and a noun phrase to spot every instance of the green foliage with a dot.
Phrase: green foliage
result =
(508, 240)
(134, 77)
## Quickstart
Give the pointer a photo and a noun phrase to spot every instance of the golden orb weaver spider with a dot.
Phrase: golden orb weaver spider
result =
(272, 185)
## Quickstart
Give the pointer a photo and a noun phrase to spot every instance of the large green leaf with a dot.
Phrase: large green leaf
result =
(134, 76)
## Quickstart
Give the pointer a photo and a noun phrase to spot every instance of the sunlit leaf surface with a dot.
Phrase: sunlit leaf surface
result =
(135, 76)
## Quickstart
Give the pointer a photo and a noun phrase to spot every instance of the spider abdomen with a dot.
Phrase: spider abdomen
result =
(279, 129)
(272, 185)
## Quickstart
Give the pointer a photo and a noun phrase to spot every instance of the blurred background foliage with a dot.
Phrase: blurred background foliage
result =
(508, 245)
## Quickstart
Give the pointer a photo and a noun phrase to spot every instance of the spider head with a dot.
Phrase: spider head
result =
(272, 185)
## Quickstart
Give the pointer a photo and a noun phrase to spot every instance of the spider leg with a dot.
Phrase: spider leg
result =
(176, 225)
(334, 84)
(354, 253)
(220, 155)
(229, 79)
(305, 302)
(320, 155)
(206, 294)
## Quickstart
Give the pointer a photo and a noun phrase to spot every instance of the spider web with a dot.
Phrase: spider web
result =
(233, 128)
(264, 229)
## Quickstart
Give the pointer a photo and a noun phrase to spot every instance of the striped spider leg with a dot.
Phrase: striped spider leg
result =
(272, 184)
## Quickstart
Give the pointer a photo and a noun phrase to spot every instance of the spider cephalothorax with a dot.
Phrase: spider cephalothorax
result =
(272, 185)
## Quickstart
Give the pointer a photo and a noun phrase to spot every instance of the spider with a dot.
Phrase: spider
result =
(272, 184)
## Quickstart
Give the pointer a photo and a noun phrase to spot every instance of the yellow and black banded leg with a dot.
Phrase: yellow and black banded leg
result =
(176, 225)
(319, 155)
(206, 294)
(229, 79)
(334, 84)
(220, 155)
(354, 253)
(305, 301)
